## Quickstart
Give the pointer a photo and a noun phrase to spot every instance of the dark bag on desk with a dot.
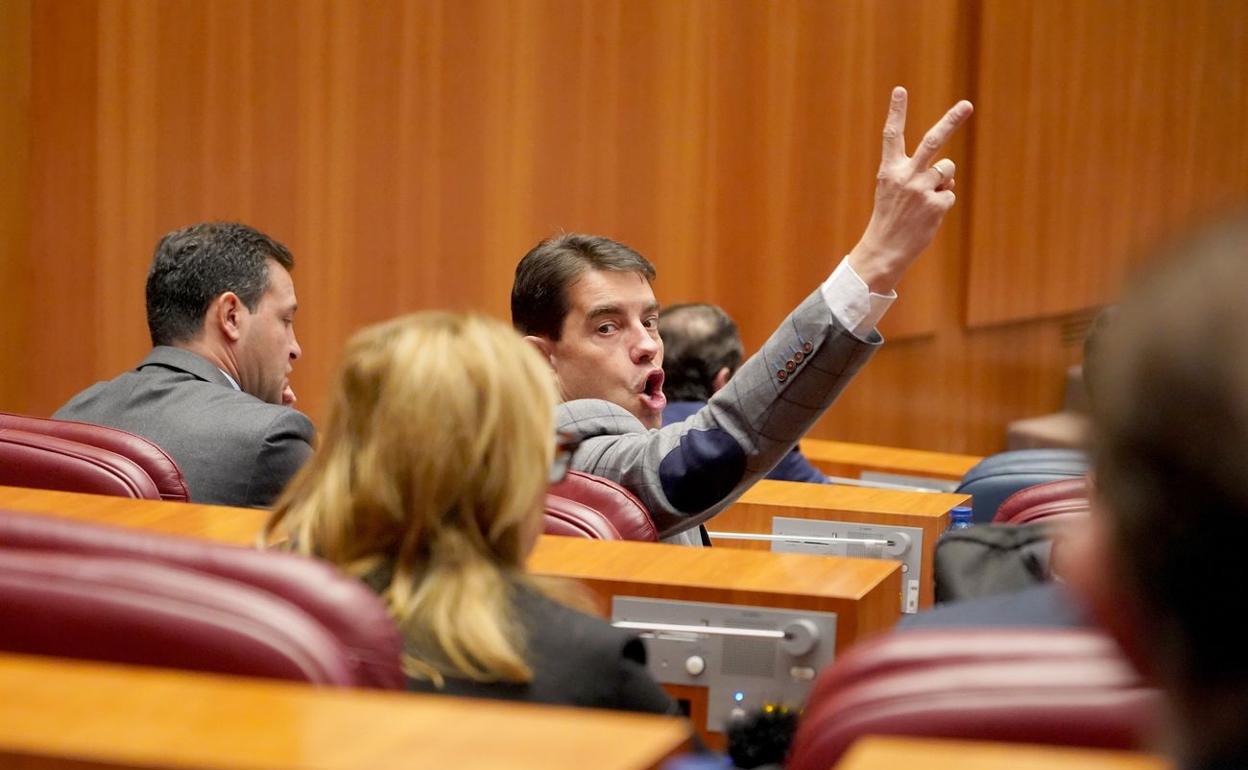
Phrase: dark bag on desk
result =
(991, 559)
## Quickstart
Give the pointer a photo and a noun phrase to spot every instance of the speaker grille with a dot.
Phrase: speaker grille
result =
(748, 657)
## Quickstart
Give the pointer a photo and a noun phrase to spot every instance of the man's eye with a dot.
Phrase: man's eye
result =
(606, 328)
(651, 323)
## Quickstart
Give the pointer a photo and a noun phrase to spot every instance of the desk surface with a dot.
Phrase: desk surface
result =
(841, 458)
(891, 753)
(832, 497)
(223, 524)
(59, 713)
(679, 566)
(788, 577)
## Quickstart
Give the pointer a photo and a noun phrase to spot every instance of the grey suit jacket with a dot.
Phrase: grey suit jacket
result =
(687, 472)
(233, 448)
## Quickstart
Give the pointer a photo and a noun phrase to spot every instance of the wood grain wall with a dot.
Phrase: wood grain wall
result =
(14, 196)
(410, 152)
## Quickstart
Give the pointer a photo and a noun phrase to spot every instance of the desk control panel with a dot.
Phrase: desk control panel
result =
(857, 540)
(746, 657)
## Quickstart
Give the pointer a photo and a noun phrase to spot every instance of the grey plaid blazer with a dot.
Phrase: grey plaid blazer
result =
(687, 472)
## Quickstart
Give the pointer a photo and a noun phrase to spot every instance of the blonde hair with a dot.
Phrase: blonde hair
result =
(433, 465)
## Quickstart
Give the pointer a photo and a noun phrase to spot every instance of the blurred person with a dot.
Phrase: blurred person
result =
(1169, 525)
(701, 350)
(587, 304)
(214, 391)
(429, 485)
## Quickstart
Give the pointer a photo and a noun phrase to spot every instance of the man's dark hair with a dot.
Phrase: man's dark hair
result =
(539, 294)
(698, 341)
(195, 265)
(1170, 440)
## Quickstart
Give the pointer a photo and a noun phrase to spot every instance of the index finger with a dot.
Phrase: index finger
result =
(895, 127)
(938, 134)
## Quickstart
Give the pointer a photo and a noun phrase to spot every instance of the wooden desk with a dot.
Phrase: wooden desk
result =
(890, 753)
(208, 522)
(862, 592)
(840, 458)
(929, 511)
(74, 714)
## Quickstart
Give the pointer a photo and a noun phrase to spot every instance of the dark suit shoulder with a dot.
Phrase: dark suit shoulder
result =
(576, 659)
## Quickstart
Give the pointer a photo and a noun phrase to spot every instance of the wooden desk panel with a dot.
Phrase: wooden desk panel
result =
(219, 523)
(863, 593)
(841, 458)
(755, 510)
(890, 753)
(60, 713)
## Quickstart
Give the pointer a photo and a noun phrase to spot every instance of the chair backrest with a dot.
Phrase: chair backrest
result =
(619, 506)
(1068, 491)
(48, 462)
(157, 463)
(572, 519)
(344, 608)
(998, 476)
(1064, 687)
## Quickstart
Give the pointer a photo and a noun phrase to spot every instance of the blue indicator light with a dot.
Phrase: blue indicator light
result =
(738, 696)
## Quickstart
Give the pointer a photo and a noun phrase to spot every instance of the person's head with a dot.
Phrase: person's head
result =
(224, 290)
(585, 302)
(433, 469)
(1170, 520)
(701, 350)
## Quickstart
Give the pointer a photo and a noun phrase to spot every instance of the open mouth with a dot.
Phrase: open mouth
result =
(652, 391)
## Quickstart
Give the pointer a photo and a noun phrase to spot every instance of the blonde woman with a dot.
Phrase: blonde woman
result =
(428, 485)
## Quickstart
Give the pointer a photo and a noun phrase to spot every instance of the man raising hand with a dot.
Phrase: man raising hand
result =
(586, 303)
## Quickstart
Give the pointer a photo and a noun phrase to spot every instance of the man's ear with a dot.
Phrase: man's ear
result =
(225, 314)
(720, 379)
(543, 345)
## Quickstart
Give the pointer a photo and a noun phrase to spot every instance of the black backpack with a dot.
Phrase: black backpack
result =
(991, 559)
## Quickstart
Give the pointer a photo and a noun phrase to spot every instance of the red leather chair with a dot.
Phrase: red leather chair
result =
(572, 519)
(1065, 498)
(109, 593)
(1064, 687)
(613, 505)
(48, 462)
(157, 463)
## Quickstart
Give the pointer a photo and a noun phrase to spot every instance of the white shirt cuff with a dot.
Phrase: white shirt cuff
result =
(852, 301)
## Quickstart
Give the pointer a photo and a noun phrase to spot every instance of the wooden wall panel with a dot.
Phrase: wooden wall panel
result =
(410, 152)
(15, 32)
(1100, 127)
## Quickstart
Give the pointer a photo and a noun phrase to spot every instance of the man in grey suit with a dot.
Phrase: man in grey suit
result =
(214, 392)
(586, 303)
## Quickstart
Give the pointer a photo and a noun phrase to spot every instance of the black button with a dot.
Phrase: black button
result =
(790, 366)
(799, 356)
(782, 375)
(807, 347)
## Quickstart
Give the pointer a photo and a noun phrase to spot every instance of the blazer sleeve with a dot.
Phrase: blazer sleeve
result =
(687, 472)
(286, 446)
(635, 688)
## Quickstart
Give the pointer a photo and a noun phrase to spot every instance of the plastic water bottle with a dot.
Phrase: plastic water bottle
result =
(959, 518)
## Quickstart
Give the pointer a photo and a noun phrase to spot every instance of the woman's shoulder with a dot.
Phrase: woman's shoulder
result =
(553, 626)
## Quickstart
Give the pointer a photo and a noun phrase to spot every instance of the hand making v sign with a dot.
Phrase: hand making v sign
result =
(912, 195)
